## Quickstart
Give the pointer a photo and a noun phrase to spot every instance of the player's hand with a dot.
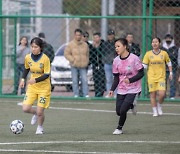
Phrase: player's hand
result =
(31, 81)
(126, 80)
(111, 93)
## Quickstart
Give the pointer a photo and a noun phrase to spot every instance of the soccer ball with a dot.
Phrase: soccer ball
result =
(17, 126)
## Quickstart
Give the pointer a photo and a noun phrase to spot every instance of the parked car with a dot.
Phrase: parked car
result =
(61, 71)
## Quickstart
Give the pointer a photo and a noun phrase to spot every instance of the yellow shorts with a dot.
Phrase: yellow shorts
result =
(155, 86)
(43, 100)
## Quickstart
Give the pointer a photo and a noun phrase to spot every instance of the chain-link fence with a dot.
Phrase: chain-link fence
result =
(102, 20)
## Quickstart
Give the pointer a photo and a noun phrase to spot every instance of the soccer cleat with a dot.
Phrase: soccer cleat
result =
(117, 132)
(34, 119)
(155, 114)
(159, 109)
(39, 131)
(134, 111)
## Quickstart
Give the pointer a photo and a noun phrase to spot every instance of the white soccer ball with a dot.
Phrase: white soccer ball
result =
(17, 126)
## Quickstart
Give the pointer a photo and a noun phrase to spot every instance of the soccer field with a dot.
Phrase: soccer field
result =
(86, 126)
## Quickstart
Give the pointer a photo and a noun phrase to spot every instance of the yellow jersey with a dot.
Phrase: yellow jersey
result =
(156, 65)
(37, 69)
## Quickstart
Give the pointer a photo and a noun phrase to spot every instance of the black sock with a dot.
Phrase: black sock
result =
(119, 127)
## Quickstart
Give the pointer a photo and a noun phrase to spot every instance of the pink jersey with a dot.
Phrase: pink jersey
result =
(127, 67)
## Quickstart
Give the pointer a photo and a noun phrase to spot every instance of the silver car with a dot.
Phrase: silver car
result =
(61, 71)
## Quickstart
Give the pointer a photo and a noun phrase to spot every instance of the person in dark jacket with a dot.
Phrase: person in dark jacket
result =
(48, 49)
(133, 47)
(109, 54)
(172, 50)
(97, 65)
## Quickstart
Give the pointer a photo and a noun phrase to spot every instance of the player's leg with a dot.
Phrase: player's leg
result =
(161, 94)
(43, 103)
(134, 105)
(126, 103)
(119, 101)
(153, 88)
(153, 103)
(28, 102)
(41, 117)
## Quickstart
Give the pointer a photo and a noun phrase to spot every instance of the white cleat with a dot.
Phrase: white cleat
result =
(159, 109)
(155, 114)
(160, 112)
(34, 119)
(39, 131)
(117, 132)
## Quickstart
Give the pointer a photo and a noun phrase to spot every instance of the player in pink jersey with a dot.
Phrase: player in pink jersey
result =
(127, 70)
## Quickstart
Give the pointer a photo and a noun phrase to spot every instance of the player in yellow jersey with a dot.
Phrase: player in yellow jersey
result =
(155, 61)
(39, 87)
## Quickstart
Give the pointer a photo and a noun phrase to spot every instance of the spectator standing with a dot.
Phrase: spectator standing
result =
(39, 87)
(179, 68)
(109, 54)
(21, 51)
(127, 70)
(77, 53)
(155, 62)
(97, 65)
(133, 47)
(85, 38)
(47, 49)
(172, 50)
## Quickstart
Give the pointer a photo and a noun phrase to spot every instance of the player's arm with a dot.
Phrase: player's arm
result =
(138, 76)
(115, 81)
(169, 64)
(25, 73)
(42, 78)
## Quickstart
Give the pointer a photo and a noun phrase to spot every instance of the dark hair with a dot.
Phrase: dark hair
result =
(39, 42)
(124, 42)
(78, 30)
(86, 34)
(97, 33)
(159, 40)
(22, 38)
(168, 36)
(111, 32)
(129, 33)
(41, 35)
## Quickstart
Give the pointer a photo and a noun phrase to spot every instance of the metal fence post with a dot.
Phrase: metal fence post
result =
(1, 48)
(151, 2)
(144, 44)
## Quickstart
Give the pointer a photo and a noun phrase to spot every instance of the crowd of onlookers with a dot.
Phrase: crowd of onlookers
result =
(100, 55)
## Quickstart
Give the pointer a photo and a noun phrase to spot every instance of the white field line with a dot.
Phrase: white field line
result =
(107, 111)
(92, 103)
(71, 152)
(104, 111)
(86, 142)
